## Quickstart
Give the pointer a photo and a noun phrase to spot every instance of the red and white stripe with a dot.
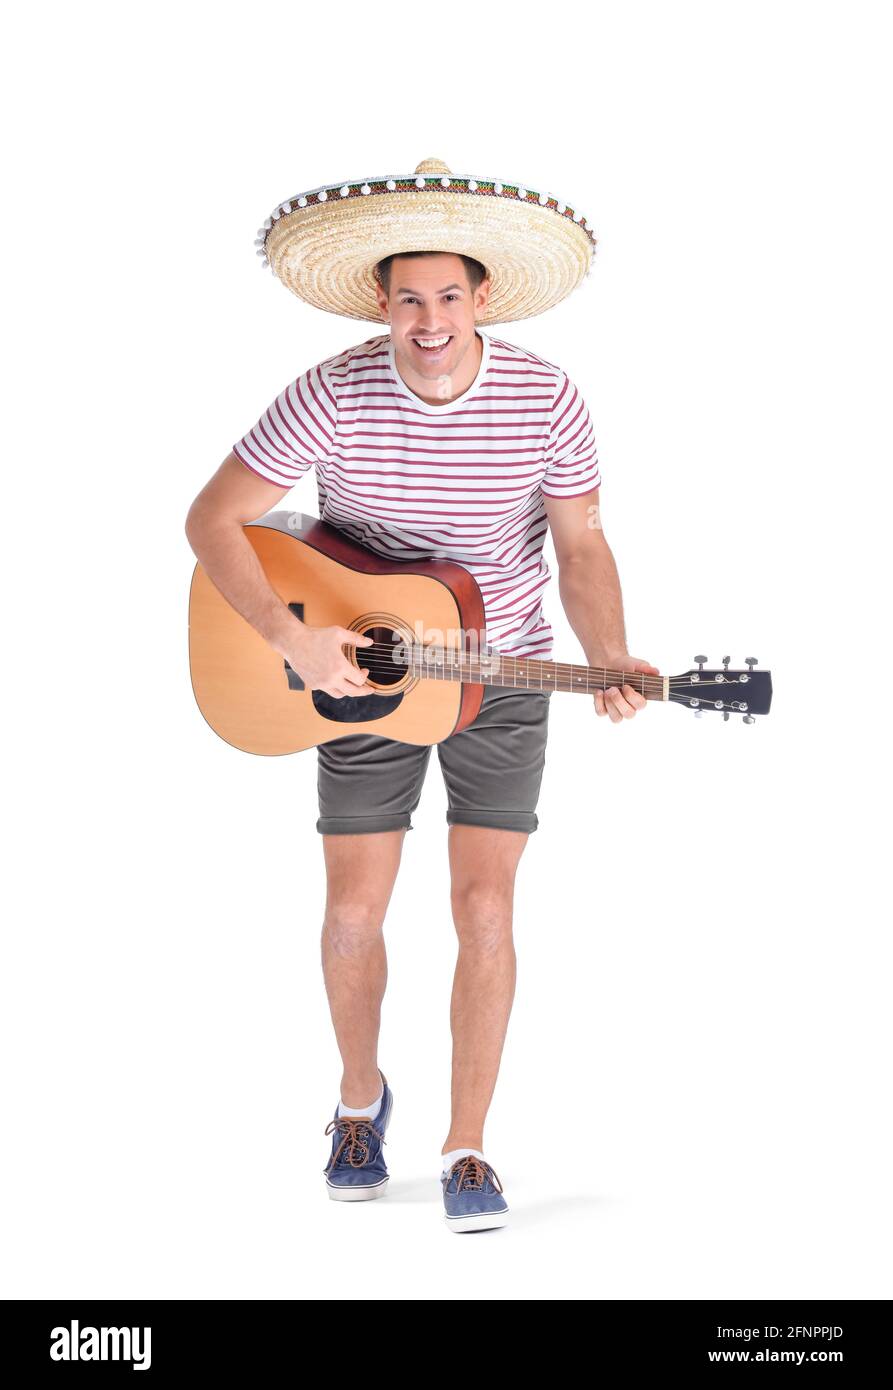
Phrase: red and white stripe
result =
(461, 481)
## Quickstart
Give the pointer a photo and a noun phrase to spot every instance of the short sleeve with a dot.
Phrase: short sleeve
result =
(296, 431)
(571, 458)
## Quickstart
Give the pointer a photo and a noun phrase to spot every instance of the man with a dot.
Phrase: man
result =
(434, 439)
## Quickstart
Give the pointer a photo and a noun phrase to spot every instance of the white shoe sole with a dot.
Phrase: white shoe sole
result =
(481, 1221)
(356, 1194)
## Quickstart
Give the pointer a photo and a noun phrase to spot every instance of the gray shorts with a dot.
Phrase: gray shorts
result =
(492, 771)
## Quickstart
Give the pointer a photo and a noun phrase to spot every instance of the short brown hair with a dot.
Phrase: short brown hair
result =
(473, 269)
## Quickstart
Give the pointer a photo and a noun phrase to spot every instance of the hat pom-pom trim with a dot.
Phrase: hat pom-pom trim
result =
(482, 187)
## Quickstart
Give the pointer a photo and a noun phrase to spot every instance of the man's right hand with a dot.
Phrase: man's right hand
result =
(315, 653)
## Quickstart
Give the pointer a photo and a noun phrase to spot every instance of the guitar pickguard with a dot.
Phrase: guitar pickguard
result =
(354, 709)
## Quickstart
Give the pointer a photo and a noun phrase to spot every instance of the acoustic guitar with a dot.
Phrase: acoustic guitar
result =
(428, 663)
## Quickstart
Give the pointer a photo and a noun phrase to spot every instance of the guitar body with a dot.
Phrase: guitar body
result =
(248, 693)
(428, 663)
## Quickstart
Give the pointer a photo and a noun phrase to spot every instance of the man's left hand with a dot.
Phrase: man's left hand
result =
(623, 701)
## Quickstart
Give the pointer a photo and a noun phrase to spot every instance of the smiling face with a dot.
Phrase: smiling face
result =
(430, 299)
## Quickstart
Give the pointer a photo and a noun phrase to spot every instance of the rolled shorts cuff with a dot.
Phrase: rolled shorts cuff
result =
(496, 820)
(361, 825)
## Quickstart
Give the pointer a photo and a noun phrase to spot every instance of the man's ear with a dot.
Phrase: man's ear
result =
(379, 295)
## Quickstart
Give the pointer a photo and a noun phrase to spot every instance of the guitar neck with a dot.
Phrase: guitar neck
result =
(527, 673)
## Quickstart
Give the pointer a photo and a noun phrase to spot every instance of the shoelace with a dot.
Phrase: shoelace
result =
(353, 1140)
(472, 1174)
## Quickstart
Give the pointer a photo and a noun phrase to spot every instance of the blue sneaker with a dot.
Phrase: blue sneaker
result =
(472, 1196)
(357, 1170)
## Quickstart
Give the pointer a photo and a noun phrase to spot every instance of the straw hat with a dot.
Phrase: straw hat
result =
(324, 244)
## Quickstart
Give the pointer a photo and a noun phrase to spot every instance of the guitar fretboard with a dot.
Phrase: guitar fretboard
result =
(524, 673)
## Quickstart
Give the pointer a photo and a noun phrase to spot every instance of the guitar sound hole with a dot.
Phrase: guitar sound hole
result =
(379, 660)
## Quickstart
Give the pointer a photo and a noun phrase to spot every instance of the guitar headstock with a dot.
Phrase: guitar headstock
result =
(723, 691)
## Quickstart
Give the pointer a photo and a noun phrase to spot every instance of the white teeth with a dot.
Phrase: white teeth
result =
(432, 342)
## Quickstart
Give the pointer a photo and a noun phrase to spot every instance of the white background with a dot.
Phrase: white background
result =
(694, 1095)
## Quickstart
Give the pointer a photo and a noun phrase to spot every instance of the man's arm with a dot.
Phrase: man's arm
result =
(214, 527)
(590, 594)
(232, 498)
(588, 582)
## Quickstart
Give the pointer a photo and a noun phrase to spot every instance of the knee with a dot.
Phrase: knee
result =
(351, 925)
(482, 913)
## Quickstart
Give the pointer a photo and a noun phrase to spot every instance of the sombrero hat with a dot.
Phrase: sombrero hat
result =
(324, 244)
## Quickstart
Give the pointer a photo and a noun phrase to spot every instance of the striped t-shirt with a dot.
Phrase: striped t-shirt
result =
(461, 481)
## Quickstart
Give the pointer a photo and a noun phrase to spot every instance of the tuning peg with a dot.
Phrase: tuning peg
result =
(748, 719)
(750, 661)
(725, 715)
(698, 713)
(700, 660)
(725, 662)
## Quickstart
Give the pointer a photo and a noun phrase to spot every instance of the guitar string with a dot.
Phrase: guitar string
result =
(378, 665)
(562, 673)
(387, 649)
(674, 697)
(653, 684)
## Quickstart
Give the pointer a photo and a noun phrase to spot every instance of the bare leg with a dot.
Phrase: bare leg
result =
(361, 871)
(483, 863)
